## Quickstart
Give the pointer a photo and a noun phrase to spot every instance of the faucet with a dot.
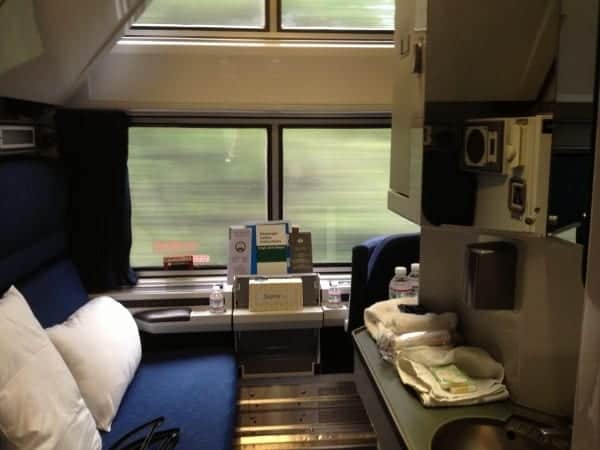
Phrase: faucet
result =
(559, 436)
(553, 437)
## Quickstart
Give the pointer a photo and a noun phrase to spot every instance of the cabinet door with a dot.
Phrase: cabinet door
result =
(404, 195)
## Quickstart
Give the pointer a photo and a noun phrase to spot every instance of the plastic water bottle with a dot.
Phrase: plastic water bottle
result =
(400, 285)
(413, 278)
(216, 300)
(334, 297)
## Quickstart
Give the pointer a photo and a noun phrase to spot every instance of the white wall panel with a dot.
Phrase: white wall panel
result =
(221, 77)
(538, 341)
(73, 34)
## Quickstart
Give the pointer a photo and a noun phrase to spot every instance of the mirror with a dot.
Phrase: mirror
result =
(509, 91)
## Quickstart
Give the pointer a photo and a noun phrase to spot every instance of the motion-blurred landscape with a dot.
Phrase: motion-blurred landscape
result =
(190, 184)
(357, 14)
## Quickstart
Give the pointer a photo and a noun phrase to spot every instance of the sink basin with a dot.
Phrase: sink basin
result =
(481, 434)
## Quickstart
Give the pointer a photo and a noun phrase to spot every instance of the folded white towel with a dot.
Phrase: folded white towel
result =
(486, 374)
(390, 343)
(387, 314)
(380, 313)
(407, 323)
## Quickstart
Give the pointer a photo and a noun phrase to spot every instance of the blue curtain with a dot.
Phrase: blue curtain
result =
(94, 145)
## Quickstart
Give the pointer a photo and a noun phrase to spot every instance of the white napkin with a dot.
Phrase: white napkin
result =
(387, 314)
(486, 374)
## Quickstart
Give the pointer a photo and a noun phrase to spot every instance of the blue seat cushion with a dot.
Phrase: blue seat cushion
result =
(389, 252)
(195, 392)
(373, 264)
(33, 204)
(54, 292)
(33, 208)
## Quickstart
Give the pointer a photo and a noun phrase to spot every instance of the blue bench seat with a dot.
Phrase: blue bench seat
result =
(195, 391)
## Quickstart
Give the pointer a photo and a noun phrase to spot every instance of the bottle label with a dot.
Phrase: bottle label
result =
(401, 291)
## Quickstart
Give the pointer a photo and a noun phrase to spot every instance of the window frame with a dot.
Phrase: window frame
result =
(275, 124)
(139, 121)
(328, 31)
(179, 29)
(273, 30)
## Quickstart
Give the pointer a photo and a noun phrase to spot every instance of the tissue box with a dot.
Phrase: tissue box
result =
(274, 295)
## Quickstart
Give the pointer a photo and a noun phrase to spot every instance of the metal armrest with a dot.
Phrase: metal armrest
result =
(165, 315)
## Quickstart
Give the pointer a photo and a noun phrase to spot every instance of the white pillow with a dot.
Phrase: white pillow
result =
(101, 345)
(40, 404)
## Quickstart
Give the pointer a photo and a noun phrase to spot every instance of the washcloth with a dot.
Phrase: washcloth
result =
(380, 313)
(387, 314)
(394, 330)
(486, 374)
(390, 343)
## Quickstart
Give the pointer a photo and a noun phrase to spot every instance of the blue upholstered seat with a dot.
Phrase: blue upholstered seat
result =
(194, 391)
(53, 292)
(373, 264)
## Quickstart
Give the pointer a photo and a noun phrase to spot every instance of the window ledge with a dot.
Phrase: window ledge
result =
(275, 43)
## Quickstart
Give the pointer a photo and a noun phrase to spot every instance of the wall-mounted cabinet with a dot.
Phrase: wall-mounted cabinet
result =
(404, 195)
(486, 133)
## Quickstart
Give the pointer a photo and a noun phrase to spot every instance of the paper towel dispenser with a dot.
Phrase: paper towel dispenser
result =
(490, 275)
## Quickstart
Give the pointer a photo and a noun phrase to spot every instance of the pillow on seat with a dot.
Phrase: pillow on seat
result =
(40, 404)
(101, 345)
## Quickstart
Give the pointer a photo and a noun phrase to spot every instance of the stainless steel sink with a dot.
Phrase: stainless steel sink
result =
(481, 434)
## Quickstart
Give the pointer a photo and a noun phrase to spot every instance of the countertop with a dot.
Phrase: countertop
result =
(417, 424)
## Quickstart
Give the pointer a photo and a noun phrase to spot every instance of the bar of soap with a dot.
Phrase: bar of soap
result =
(275, 295)
(452, 379)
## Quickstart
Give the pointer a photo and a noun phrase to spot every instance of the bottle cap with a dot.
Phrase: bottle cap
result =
(400, 271)
(216, 288)
(414, 267)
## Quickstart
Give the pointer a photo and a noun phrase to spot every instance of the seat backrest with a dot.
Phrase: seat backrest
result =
(373, 264)
(33, 242)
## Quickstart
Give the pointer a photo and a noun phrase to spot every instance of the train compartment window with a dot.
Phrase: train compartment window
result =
(193, 177)
(316, 20)
(337, 15)
(188, 184)
(335, 182)
(224, 14)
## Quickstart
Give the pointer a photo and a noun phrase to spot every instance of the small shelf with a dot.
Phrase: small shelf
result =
(308, 317)
(415, 424)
